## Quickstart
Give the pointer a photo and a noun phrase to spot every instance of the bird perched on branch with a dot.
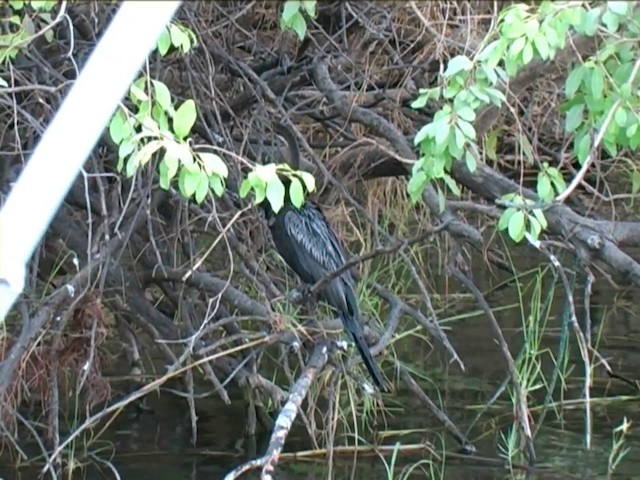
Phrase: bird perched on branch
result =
(309, 246)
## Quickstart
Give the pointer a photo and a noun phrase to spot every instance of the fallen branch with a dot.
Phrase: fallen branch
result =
(286, 418)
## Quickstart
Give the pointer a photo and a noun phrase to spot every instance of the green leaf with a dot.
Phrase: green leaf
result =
(420, 102)
(142, 156)
(544, 189)
(182, 152)
(625, 92)
(310, 7)
(202, 189)
(164, 42)
(171, 163)
(534, 227)
(267, 173)
(497, 97)
(119, 127)
(275, 194)
(451, 90)
(442, 133)
(217, 185)
(188, 182)
(460, 140)
(137, 93)
(516, 226)
(556, 179)
(467, 129)
(132, 165)
(583, 147)
(574, 117)
(470, 160)
(540, 217)
(159, 115)
(299, 25)
(466, 113)
(126, 147)
(573, 81)
(291, 8)
(212, 163)
(480, 92)
(163, 96)
(424, 96)
(591, 21)
(296, 193)
(453, 186)
(309, 180)
(621, 117)
(503, 224)
(179, 38)
(184, 119)
(542, 45)
(422, 134)
(611, 20)
(416, 185)
(488, 51)
(458, 64)
(619, 8)
(261, 192)
(597, 83)
(490, 73)
(245, 188)
(517, 46)
(631, 131)
(163, 171)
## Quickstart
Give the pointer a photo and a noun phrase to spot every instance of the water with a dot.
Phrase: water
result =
(156, 446)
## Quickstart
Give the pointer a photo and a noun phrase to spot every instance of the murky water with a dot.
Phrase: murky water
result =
(156, 446)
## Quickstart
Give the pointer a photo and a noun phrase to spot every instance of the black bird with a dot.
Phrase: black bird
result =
(309, 246)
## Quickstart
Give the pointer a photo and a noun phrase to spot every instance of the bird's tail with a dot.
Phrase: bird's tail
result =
(351, 324)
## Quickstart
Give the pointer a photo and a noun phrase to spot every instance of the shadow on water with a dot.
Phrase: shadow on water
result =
(156, 446)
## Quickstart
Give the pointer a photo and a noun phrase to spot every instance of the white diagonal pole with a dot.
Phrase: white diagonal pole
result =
(74, 131)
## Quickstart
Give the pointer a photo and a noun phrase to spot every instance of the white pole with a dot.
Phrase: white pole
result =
(69, 139)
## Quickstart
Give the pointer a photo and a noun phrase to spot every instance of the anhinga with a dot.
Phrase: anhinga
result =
(309, 246)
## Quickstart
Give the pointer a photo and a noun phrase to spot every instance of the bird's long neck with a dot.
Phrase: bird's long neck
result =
(292, 142)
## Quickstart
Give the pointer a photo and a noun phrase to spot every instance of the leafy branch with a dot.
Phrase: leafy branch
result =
(524, 33)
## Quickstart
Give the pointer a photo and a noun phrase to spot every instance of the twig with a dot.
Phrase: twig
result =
(323, 282)
(429, 325)
(150, 387)
(436, 412)
(521, 404)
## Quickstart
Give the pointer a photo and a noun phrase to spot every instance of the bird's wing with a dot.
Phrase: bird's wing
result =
(309, 229)
(319, 252)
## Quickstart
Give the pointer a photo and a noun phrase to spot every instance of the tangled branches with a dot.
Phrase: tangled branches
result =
(200, 284)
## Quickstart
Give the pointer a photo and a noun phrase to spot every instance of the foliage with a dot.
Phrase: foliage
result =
(292, 17)
(29, 19)
(265, 181)
(156, 126)
(602, 86)
(147, 131)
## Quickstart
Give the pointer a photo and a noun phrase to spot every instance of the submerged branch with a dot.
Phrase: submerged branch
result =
(286, 418)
